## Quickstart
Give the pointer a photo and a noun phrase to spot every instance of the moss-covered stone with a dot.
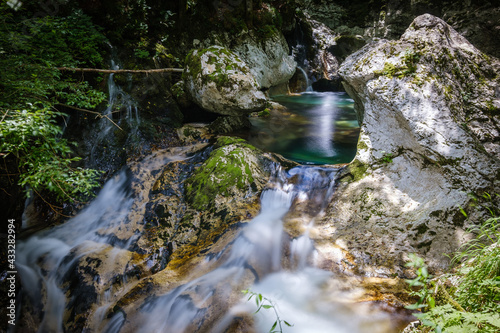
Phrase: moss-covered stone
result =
(219, 81)
(357, 169)
(233, 170)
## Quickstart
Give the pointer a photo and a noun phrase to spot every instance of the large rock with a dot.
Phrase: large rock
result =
(267, 57)
(233, 173)
(428, 105)
(219, 81)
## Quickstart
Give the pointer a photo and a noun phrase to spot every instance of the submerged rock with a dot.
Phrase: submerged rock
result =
(428, 105)
(217, 80)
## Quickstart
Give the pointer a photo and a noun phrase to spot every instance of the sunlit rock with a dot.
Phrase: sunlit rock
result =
(217, 80)
(267, 57)
(428, 107)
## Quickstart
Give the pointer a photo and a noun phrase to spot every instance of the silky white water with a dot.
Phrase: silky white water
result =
(45, 259)
(262, 257)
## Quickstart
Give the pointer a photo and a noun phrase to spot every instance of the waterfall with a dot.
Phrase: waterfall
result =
(255, 260)
(45, 260)
(49, 256)
(308, 84)
(121, 115)
(262, 257)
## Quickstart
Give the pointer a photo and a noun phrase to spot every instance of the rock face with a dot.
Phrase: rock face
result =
(268, 58)
(478, 21)
(319, 52)
(219, 81)
(428, 105)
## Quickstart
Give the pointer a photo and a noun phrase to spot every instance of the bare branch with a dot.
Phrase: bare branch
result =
(145, 71)
(100, 115)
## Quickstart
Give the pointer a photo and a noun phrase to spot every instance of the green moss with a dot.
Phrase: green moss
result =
(225, 63)
(226, 171)
(357, 170)
(265, 113)
(178, 90)
(361, 145)
(228, 140)
(407, 68)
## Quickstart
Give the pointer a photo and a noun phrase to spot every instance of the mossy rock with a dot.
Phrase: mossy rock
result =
(233, 172)
(217, 80)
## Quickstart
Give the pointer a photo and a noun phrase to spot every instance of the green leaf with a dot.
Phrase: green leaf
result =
(267, 306)
(274, 325)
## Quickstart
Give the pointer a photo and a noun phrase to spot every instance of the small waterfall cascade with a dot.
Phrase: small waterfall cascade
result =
(121, 114)
(262, 257)
(111, 223)
(306, 78)
(120, 100)
(299, 53)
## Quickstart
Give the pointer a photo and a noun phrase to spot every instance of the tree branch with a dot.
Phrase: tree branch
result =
(146, 71)
(100, 115)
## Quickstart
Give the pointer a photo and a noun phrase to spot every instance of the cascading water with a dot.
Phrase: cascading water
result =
(45, 260)
(262, 257)
(120, 114)
(306, 78)
(211, 302)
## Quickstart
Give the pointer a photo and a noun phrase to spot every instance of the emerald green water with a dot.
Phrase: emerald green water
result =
(317, 128)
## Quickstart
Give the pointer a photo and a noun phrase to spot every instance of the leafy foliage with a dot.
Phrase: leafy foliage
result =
(265, 303)
(473, 303)
(32, 47)
(422, 281)
(44, 158)
(386, 157)
(31, 50)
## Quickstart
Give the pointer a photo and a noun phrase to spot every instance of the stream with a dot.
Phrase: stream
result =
(262, 257)
(318, 128)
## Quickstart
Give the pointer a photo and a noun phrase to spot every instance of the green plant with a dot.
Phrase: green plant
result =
(33, 88)
(265, 303)
(480, 280)
(386, 157)
(32, 49)
(265, 113)
(140, 53)
(421, 281)
(44, 158)
(472, 304)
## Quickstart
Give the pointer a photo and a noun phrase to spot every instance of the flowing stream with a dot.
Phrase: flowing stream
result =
(262, 256)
